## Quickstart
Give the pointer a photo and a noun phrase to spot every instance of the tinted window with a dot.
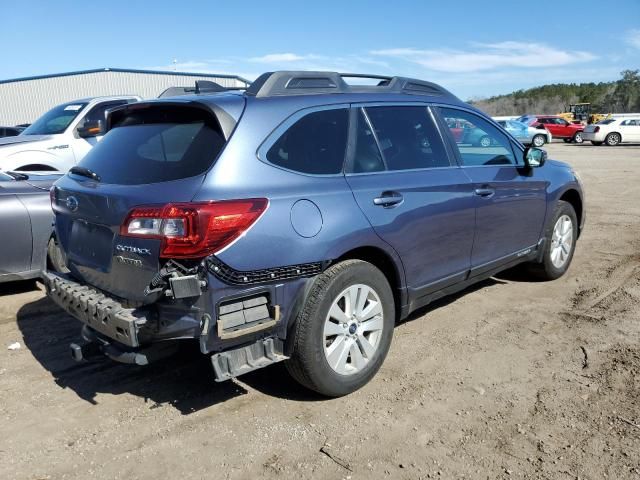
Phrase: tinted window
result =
(407, 138)
(55, 120)
(480, 143)
(315, 144)
(367, 156)
(156, 146)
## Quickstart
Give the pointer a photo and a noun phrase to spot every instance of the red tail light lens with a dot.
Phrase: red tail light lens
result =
(596, 129)
(194, 230)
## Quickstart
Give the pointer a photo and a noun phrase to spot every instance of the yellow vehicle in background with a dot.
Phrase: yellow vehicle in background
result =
(581, 112)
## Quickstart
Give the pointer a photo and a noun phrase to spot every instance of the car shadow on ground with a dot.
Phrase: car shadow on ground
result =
(184, 381)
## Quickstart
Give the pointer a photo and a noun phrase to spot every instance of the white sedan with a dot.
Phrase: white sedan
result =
(613, 131)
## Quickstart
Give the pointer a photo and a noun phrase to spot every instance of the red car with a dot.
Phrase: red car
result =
(558, 126)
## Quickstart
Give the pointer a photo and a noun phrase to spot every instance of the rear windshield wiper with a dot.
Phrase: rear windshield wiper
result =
(85, 172)
(18, 175)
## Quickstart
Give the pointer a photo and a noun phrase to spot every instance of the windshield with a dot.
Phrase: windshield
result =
(55, 120)
(606, 121)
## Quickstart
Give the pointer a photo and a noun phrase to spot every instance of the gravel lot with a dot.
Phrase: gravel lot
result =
(509, 379)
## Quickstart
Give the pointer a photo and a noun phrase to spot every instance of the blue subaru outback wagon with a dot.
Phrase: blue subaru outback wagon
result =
(297, 221)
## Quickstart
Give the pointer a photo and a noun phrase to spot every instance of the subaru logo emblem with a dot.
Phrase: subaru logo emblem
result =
(72, 203)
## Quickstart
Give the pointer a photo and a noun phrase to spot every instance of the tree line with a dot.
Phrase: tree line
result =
(620, 96)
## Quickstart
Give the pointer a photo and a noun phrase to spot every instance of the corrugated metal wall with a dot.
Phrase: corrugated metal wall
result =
(23, 101)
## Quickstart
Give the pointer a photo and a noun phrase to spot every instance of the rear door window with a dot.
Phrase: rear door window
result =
(481, 143)
(156, 145)
(314, 144)
(407, 137)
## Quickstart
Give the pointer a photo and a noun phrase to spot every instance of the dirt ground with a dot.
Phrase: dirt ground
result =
(509, 379)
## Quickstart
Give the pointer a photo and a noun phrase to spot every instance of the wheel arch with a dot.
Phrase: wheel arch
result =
(36, 167)
(388, 266)
(572, 197)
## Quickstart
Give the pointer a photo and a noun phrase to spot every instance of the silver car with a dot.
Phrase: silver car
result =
(526, 134)
(26, 224)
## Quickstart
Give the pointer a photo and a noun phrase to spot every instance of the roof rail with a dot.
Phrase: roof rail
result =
(284, 83)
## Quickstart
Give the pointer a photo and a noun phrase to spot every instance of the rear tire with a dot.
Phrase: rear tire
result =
(597, 144)
(329, 353)
(539, 140)
(560, 243)
(613, 139)
(55, 260)
(578, 137)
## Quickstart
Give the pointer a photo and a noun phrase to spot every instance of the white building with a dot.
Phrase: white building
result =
(22, 100)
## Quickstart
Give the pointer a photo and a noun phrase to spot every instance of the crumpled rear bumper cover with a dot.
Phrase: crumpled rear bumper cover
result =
(94, 308)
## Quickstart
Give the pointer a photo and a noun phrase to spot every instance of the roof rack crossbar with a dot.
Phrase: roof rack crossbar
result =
(285, 83)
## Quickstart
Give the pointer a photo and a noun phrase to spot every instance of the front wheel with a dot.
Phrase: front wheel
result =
(560, 243)
(343, 333)
(578, 137)
(539, 140)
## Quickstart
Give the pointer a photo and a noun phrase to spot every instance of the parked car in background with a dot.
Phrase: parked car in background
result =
(297, 221)
(613, 131)
(26, 223)
(526, 134)
(61, 137)
(558, 126)
(10, 131)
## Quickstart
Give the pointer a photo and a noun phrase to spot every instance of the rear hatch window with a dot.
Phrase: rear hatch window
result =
(156, 144)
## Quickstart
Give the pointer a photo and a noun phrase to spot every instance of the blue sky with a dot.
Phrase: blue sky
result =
(475, 48)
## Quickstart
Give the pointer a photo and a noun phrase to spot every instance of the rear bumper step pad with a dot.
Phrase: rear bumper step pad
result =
(233, 363)
(95, 309)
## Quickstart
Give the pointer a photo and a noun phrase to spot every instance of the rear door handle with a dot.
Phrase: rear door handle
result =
(484, 192)
(388, 199)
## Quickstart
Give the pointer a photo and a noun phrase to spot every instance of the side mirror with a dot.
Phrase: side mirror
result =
(534, 157)
(91, 129)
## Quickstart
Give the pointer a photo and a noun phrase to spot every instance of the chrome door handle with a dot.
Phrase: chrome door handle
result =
(388, 199)
(484, 192)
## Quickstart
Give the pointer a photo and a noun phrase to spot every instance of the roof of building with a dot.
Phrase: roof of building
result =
(125, 70)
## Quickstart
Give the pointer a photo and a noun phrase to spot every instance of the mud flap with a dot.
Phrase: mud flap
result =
(233, 363)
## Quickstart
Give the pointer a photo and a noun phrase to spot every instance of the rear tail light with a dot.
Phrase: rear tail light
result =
(596, 129)
(194, 230)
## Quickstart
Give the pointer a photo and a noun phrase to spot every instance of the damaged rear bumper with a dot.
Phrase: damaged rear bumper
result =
(96, 310)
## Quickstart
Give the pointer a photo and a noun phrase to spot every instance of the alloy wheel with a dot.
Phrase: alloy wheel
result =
(561, 241)
(353, 329)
